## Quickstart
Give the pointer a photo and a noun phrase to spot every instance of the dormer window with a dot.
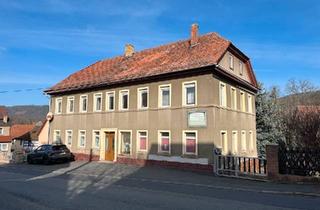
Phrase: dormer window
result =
(231, 61)
(241, 68)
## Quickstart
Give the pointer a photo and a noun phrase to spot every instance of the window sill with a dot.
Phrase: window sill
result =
(164, 153)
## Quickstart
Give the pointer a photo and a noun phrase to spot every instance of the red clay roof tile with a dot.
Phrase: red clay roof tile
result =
(174, 57)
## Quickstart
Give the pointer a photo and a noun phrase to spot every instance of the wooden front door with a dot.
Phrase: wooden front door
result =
(109, 146)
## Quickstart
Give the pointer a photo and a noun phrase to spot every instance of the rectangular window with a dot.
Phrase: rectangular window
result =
(189, 93)
(190, 142)
(58, 105)
(223, 94)
(125, 142)
(68, 137)
(96, 139)
(164, 96)
(242, 101)
(82, 138)
(110, 101)
(251, 145)
(4, 147)
(164, 141)
(249, 103)
(57, 137)
(83, 103)
(230, 61)
(1, 131)
(243, 141)
(124, 100)
(233, 98)
(241, 68)
(234, 142)
(143, 98)
(97, 104)
(224, 142)
(70, 104)
(142, 140)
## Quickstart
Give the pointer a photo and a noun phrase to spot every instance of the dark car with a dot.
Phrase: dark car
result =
(48, 153)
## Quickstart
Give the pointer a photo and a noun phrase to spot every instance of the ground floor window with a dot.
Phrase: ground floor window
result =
(251, 145)
(224, 142)
(57, 137)
(125, 142)
(4, 147)
(142, 140)
(69, 137)
(190, 142)
(243, 141)
(164, 141)
(82, 138)
(234, 142)
(96, 139)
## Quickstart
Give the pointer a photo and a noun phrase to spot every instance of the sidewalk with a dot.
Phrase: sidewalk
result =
(89, 170)
(158, 174)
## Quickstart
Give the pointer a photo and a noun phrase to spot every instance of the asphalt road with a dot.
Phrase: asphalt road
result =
(112, 186)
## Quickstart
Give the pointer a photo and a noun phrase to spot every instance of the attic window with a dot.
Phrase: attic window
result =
(230, 61)
(241, 68)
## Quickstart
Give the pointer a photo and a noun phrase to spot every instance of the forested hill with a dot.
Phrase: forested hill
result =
(27, 113)
(310, 98)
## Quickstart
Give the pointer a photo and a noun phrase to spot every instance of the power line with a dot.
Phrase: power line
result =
(22, 90)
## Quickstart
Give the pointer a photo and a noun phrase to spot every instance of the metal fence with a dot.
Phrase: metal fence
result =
(229, 165)
(298, 161)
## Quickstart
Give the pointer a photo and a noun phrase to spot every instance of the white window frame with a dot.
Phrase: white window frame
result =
(94, 139)
(108, 100)
(184, 140)
(81, 103)
(95, 97)
(138, 141)
(224, 142)
(251, 144)
(242, 101)
(243, 141)
(233, 93)
(235, 143)
(240, 68)
(121, 92)
(120, 142)
(6, 147)
(139, 97)
(231, 61)
(66, 137)
(249, 107)
(58, 100)
(159, 142)
(160, 98)
(55, 135)
(185, 85)
(70, 98)
(223, 100)
(85, 138)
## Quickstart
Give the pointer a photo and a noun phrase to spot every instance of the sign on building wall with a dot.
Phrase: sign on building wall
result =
(197, 119)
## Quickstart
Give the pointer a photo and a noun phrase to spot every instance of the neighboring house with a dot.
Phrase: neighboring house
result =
(43, 133)
(175, 103)
(5, 140)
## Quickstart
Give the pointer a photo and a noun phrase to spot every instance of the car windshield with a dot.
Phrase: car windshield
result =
(59, 147)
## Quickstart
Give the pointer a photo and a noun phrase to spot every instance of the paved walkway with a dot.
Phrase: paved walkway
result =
(163, 175)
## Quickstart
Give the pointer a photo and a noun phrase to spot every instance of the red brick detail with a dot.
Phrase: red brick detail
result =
(175, 165)
(86, 157)
(272, 161)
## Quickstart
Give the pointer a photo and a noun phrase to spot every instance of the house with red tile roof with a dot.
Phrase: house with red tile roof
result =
(169, 104)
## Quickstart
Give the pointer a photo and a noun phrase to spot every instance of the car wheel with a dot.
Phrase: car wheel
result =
(29, 160)
(46, 160)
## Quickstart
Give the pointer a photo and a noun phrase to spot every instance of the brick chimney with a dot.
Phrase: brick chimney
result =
(129, 50)
(194, 34)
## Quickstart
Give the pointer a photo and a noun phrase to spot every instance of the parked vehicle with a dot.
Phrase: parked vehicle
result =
(50, 153)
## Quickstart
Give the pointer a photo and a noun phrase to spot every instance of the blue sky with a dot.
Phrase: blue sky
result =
(42, 42)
